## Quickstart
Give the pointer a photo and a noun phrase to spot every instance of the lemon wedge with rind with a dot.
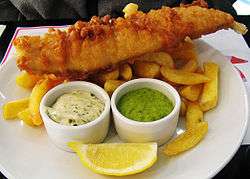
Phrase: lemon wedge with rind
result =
(118, 159)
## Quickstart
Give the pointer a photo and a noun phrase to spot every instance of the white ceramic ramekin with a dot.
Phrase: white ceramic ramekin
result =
(92, 132)
(159, 131)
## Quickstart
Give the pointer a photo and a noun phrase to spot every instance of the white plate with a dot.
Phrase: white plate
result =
(26, 152)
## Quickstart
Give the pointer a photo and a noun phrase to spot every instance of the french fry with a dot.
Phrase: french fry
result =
(55, 80)
(190, 66)
(130, 9)
(37, 119)
(147, 69)
(209, 95)
(12, 108)
(191, 92)
(175, 85)
(27, 80)
(194, 115)
(112, 75)
(26, 117)
(183, 77)
(187, 140)
(183, 108)
(111, 85)
(199, 70)
(35, 98)
(161, 58)
(179, 63)
(126, 72)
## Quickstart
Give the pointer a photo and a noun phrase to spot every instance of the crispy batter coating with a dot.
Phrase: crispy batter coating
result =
(87, 47)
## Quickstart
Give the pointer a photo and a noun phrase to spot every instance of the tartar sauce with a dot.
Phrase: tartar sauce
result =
(76, 108)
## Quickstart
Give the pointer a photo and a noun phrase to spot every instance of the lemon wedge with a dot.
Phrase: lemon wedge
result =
(118, 159)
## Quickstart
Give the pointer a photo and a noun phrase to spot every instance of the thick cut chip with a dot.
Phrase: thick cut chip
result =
(112, 75)
(55, 80)
(183, 77)
(209, 95)
(147, 69)
(191, 92)
(27, 80)
(176, 86)
(180, 63)
(187, 140)
(38, 92)
(117, 159)
(194, 115)
(161, 58)
(126, 72)
(35, 98)
(190, 66)
(130, 9)
(37, 119)
(26, 117)
(12, 108)
(111, 85)
(199, 70)
(183, 108)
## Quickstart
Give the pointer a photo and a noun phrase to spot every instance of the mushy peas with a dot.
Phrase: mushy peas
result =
(145, 105)
(76, 108)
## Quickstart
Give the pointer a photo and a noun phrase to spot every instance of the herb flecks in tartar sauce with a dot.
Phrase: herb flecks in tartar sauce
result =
(76, 108)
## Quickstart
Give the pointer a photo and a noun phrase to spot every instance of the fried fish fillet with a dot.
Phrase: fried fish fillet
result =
(87, 47)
